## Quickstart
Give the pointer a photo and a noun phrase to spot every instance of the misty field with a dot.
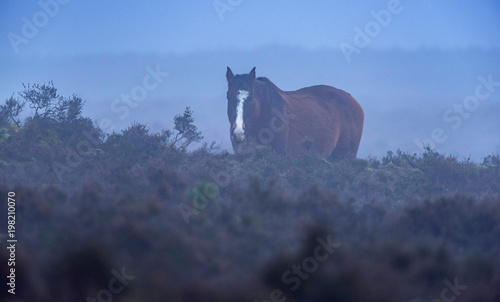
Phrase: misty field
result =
(140, 216)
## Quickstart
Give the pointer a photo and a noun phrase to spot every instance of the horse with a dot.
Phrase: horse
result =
(319, 119)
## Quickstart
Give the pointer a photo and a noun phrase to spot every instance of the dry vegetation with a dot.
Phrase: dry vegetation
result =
(206, 225)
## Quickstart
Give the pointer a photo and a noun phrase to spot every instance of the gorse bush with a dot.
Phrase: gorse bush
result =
(186, 131)
(58, 139)
(55, 124)
(206, 225)
(135, 142)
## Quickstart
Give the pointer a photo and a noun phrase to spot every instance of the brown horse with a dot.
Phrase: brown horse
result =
(320, 119)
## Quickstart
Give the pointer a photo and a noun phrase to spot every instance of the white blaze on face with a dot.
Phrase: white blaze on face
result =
(242, 96)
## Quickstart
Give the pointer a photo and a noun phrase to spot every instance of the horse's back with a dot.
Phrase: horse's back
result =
(335, 118)
(333, 100)
(324, 93)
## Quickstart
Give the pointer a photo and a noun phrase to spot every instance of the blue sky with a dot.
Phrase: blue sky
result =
(99, 27)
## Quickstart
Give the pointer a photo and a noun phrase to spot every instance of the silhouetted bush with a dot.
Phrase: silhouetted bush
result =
(136, 142)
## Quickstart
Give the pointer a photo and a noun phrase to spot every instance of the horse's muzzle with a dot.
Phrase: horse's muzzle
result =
(238, 137)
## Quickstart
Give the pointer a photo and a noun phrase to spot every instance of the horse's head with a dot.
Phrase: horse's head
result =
(240, 103)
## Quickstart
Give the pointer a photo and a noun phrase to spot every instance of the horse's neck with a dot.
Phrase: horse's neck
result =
(269, 97)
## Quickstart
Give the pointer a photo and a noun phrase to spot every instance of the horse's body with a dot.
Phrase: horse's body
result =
(319, 119)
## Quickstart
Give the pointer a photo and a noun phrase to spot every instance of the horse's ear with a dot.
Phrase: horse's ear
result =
(252, 74)
(229, 74)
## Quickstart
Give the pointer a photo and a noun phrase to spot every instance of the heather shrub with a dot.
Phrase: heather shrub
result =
(201, 224)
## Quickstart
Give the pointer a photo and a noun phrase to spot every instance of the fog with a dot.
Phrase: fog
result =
(148, 212)
(408, 65)
(406, 95)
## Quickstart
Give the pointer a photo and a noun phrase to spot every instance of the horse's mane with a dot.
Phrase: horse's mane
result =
(271, 91)
(266, 81)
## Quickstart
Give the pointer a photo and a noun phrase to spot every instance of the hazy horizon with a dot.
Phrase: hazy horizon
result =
(406, 62)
